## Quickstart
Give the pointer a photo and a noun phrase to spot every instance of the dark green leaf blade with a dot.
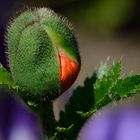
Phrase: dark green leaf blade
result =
(126, 86)
(70, 120)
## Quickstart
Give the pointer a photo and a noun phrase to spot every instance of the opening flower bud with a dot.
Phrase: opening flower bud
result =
(43, 53)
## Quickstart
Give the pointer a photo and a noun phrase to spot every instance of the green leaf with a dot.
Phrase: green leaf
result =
(70, 120)
(6, 79)
(86, 100)
(105, 82)
(102, 70)
(115, 90)
(128, 85)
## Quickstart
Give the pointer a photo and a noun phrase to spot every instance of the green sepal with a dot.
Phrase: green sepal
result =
(60, 33)
(33, 59)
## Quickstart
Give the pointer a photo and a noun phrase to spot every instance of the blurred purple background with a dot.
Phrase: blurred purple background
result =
(17, 121)
(121, 123)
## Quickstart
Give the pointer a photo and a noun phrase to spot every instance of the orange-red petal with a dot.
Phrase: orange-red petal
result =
(69, 71)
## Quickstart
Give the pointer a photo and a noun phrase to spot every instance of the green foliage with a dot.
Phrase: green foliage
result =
(130, 84)
(105, 86)
(71, 121)
(6, 79)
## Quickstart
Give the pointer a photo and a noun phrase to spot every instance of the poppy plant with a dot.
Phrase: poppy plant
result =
(43, 61)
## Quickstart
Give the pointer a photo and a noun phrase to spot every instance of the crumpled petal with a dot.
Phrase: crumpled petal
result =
(116, 124)
(17, 122)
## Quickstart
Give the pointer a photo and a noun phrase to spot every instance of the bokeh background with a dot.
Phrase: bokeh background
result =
(103, 28)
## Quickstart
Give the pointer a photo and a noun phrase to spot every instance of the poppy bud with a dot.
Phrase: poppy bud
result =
(43, 53)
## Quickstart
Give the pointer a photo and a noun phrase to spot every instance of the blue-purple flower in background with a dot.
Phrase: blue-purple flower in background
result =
(17, 121)
(121, 123)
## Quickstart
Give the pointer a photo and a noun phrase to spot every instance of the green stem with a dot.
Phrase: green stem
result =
(46, 114)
